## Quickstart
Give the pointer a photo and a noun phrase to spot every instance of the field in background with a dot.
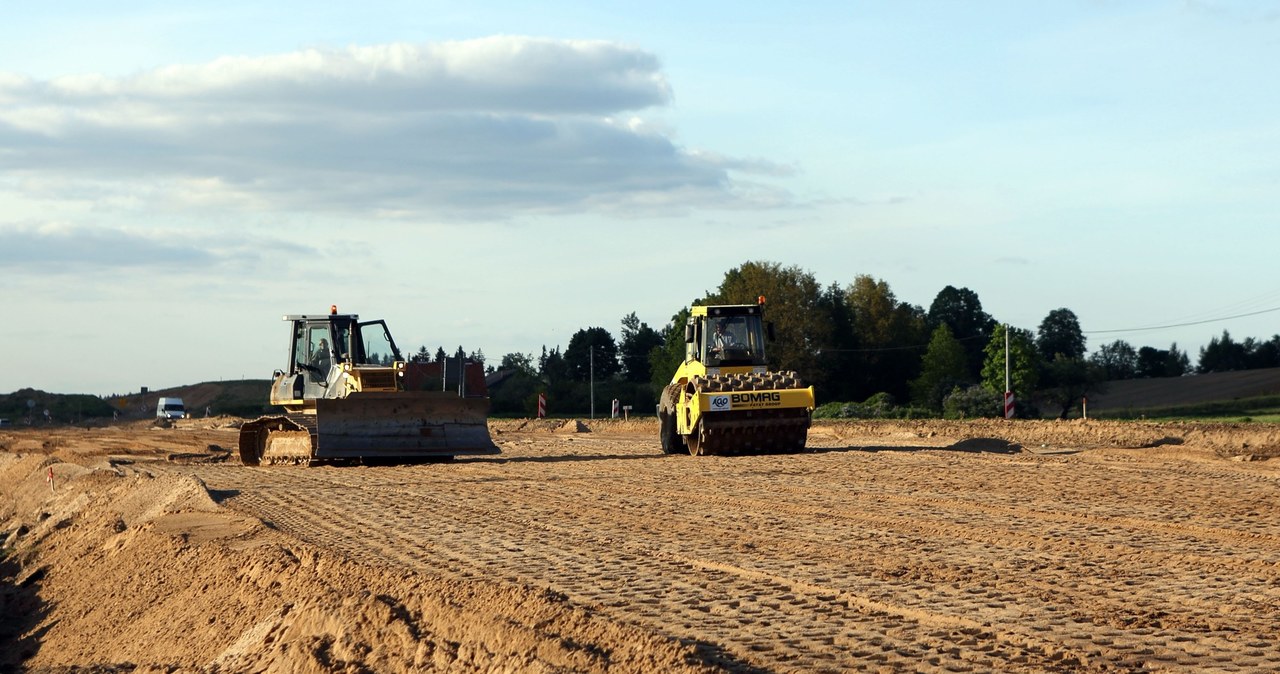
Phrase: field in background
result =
(1248, 395)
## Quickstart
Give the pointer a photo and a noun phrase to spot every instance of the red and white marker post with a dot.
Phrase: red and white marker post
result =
(542, 405)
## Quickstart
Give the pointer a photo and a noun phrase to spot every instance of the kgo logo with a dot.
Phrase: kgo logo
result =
(719, 403)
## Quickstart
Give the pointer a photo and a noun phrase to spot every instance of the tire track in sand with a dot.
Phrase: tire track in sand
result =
(926, 560)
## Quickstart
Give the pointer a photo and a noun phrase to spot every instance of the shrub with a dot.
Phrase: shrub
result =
(878, 406)
(972, 402)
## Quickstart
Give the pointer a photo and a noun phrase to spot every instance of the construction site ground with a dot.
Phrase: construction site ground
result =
(887, 546)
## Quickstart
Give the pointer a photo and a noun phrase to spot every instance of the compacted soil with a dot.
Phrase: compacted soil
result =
(887, 546)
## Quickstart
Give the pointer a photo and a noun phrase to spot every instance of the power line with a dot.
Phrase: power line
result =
(1182, 325)
(1085, 332)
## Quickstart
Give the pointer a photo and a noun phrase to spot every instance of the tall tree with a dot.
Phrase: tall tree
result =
(666, 358)
(1153, 362)
(1223, 355)
(1060, 334)
(961, 310)
(943, 369)
(1176, 362)
(1024, 365)
(1065, 376)
(1265, 354)
(519, 362)
(1118, 360)
(638, 340)
(592, 353)
(891, 336)
(839, 358)
(792, 305)
(1068, 381)
(552, 366)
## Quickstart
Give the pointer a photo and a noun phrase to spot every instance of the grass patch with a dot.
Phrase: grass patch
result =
(1262, 409)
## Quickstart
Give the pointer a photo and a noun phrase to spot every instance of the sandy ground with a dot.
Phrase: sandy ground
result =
(897, 546)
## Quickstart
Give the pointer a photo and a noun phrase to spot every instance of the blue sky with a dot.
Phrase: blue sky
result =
(174, 176)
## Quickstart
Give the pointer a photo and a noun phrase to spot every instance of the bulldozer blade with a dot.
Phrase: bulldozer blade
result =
(401, 425)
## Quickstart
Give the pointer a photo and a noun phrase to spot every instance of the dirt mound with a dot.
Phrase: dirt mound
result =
(642, 425)
(151, 572)
(1255, 441)
(573, 426)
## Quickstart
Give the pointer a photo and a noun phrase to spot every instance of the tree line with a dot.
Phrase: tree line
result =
(865, 352)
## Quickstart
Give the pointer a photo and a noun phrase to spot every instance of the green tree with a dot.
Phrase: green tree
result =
(638, 340)
(665, 359)
(793, 306)
(961, 310)
(1264, 354)
(1060, 334)
(1223, 355)
(1065, 376)
(552, 366)
(1118, 360)
(839, 358)
(519, 362)
(1171, 362)
(890, 335)
(517, 394)
(592, 353)
(1024, 366)
(1069, 380)
(943, 369)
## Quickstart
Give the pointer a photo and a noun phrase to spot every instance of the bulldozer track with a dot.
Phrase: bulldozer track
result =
(838, 560)
(254, 446)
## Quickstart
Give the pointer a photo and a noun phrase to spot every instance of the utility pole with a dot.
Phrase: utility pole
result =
(1006, 357)
(1008, 392)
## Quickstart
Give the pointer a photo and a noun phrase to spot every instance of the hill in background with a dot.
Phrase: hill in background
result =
(244, 398)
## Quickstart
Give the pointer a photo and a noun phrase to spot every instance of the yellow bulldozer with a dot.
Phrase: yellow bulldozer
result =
(723, 398)
(349, 396)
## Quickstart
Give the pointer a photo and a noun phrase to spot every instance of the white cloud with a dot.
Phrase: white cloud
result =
(480, 129)
(61, 248)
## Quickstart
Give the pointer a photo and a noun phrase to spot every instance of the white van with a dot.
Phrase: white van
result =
(171, 408)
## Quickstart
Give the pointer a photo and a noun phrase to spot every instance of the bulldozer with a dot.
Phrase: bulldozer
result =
(723, 399)
(349, 396)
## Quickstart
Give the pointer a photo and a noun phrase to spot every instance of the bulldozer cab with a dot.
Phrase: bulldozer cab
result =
(372, 345)
(727, 336)
(322, 345)
(312, 356)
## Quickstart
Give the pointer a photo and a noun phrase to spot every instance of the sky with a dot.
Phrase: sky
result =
(177, 176)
